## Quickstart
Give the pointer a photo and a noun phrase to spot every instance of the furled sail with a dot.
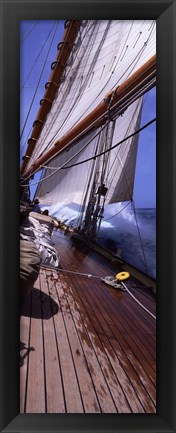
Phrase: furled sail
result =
(105, 54)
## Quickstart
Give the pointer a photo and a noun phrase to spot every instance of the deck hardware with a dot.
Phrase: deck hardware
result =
(112, 281)
(122, 276)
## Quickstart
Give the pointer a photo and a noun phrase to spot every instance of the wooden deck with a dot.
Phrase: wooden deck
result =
(86, 347)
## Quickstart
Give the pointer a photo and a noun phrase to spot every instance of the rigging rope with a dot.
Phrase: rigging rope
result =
(140, 238)
(136, 59)
(66, 88)
(131, 100)
(93, 157)
(111, 172)
(117, 212)
(26, 30)
(136, 300)
(26, 34)
(38, 83)
(133, 64)
(59, 168)
(25, 142)
(98, 277)
(38, 55)
(115, 145)
(80, 92)
(89, 178)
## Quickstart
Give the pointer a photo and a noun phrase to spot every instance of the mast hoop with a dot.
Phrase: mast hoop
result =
(47, 100)
(57, 62)
(66, 24)
(35, 122)
(25, 157)
(124, 89)
(63, 43)
(53, 83)
(32, 139)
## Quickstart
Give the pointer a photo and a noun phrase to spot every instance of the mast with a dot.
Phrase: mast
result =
(95, 208)
(64, 49)
(146, 74)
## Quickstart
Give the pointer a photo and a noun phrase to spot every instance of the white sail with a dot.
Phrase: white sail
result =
(69, 185)
(105, 54)
(122, 161)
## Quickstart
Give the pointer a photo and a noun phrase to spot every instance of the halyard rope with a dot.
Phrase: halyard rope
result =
(136, 300)
(96, 276)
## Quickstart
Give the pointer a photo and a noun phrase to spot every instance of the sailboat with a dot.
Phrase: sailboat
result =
(94, 349)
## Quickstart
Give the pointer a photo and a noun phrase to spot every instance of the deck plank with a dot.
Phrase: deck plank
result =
(90, 336)
(90, 376)
(147, 372)
(54, 389)
(129, 321)
(119, 362)
(71, 389)
(24, 348)
(89, 398)
(90, 348)
(128, 325)
(35, 402)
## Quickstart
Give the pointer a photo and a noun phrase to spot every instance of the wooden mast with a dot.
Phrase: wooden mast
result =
(145, 73)
(64, 49)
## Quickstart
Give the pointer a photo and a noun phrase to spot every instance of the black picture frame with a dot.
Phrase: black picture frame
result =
(11, 13)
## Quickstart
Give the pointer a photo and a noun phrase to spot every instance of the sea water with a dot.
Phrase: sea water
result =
(133, 238)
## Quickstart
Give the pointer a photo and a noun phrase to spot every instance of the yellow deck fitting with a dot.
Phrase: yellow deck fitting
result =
(122, 276)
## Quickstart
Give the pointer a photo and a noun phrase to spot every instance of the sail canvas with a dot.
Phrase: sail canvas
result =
(79, 159)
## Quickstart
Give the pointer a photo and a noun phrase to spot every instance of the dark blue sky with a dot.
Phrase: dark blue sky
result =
(33, 37)
(145, 178)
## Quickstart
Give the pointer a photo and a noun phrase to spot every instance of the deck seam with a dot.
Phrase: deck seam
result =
(27, 371)
(96, 358)
(59, 361)
(112, 307)
(122, 350)
(104, 352)
(71, 352)
(119, 362)
(43, 347)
